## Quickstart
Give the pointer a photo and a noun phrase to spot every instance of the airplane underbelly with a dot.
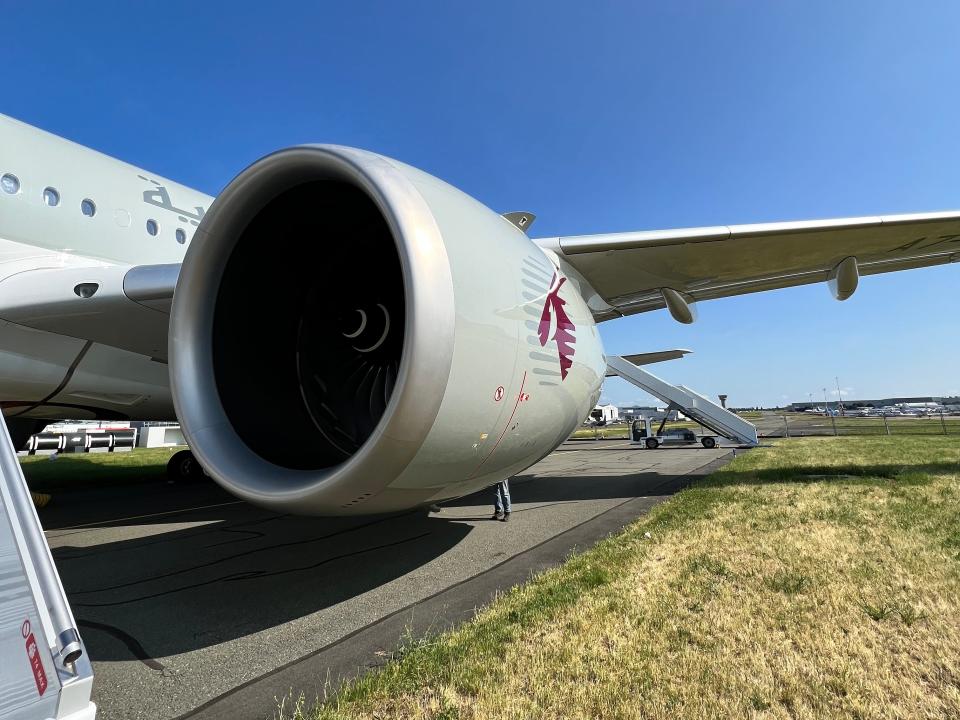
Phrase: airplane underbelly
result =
(46, 375)
(32, 363)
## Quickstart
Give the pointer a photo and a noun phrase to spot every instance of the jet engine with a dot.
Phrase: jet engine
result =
(351, 335)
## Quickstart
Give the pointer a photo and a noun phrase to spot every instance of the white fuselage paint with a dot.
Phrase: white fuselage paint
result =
(106, 382)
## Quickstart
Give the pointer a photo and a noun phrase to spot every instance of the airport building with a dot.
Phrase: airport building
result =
(605, 414)
(949, 403)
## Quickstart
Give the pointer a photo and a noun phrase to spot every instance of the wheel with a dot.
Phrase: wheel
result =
(709, 443)
(184, 468)
(652, 443)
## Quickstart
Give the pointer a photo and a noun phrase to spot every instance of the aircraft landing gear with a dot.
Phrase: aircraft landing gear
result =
(184, 468)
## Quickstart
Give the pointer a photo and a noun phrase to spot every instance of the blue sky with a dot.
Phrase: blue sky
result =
(598, 117)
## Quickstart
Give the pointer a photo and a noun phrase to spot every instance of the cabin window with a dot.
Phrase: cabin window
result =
(88, 207)
(10, 184)
(51, 197)
(181, 236)
(152, 227)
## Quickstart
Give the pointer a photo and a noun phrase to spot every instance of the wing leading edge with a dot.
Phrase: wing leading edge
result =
(640, 271)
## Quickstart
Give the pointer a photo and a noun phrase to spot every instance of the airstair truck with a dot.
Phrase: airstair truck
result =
(692, 404)
(45, 672)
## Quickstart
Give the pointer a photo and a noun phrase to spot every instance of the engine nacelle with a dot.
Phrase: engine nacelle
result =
(352, 335)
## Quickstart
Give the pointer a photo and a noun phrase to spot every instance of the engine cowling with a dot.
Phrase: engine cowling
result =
(352, 335)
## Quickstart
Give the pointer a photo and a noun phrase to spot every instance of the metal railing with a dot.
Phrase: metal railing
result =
(804, 425)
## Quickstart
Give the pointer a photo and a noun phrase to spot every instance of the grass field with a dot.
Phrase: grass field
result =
(819, 577)
(617, 430)
(69, 471)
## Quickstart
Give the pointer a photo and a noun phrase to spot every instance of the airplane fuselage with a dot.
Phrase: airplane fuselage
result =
(63, 205)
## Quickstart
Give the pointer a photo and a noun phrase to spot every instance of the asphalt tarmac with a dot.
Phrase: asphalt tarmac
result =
(193, 604)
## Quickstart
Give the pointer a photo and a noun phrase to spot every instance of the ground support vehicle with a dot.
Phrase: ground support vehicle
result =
(641, 432)
(692, 404)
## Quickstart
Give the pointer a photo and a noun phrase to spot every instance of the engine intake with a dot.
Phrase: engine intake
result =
(318, 321)
(312, 329)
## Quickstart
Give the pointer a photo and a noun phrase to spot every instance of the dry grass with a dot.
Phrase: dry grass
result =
(817, 578)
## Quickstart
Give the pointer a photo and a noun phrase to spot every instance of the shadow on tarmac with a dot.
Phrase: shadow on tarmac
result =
(570, 488)
(193, 588)
(244, 569)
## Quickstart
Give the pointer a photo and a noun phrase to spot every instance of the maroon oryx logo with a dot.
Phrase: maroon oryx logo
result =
(553, 307)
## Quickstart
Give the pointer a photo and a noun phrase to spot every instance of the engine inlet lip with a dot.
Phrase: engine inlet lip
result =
(427, 351)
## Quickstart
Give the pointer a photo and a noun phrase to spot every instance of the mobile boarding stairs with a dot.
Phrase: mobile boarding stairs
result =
(692, 404)
(45, 672)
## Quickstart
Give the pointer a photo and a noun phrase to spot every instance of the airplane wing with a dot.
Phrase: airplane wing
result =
(128, 306)
(118, 305)
(640, 271)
